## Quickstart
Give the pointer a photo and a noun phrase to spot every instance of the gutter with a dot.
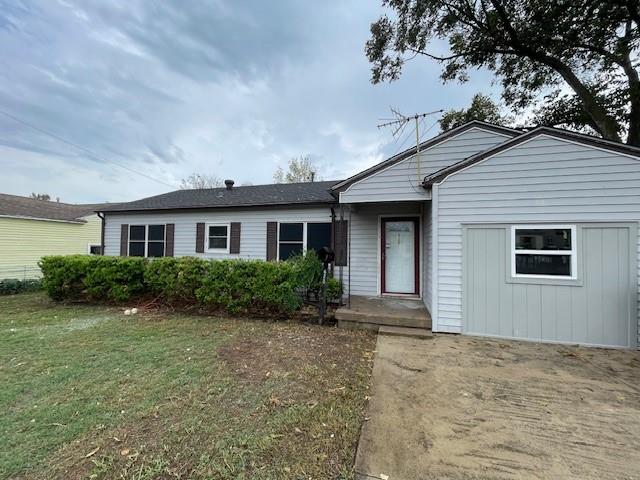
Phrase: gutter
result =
(24, 217)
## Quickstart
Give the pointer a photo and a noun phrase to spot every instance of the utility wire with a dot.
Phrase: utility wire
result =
(80, 147)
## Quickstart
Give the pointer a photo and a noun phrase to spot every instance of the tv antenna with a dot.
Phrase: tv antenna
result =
(400, 121)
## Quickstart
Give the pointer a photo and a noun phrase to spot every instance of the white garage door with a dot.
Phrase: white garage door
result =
(560, 283)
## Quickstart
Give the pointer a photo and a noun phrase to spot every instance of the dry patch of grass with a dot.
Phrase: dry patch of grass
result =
(89, 393)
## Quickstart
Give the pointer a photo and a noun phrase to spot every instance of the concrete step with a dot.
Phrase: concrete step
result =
(397, 320)
(422, 333)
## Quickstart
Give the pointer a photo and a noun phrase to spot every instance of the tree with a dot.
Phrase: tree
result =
(481, 108)
(574, 61)
(199, 181)
(300, 169)
(45, 197)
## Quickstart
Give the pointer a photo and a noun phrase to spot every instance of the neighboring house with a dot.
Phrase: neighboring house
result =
(528, 235)
(31, 229)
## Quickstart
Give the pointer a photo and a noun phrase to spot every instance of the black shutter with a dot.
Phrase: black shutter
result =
(169, 241)
(272, 240)
(342, 238)
(124, 239)
(199, 237)
(234, 241)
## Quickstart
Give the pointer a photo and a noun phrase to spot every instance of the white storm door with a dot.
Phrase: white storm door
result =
(399, 256)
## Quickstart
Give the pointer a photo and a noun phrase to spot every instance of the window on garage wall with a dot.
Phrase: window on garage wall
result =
(543, 251)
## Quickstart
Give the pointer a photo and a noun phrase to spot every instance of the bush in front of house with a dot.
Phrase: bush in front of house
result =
(235, 286)
(90, 277)
(10, 286)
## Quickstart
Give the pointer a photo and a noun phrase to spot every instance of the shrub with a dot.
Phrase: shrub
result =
(175, 279)
(249, 285)
(10, 286)
(114, 278)
(97, 278)
(232, 285)
(334, 290)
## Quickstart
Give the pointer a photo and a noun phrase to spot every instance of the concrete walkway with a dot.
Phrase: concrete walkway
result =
(456, 407)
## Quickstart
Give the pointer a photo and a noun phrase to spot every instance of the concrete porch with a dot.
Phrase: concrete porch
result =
(391, 315)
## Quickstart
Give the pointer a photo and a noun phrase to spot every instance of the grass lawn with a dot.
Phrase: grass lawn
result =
(87, 392)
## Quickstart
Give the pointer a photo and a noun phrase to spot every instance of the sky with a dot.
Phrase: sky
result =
(129, 97)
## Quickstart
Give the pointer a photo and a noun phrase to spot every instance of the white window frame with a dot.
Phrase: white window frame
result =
(146, 238)
(206, 237)
(573, 252)
(304, 237)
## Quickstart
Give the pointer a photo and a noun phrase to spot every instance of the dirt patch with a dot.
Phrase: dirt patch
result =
(309, 358)
(460, 407)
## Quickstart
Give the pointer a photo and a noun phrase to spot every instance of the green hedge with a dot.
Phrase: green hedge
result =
(10, 286)
(232, 285)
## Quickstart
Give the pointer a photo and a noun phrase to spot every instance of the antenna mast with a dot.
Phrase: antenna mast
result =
(400, 122)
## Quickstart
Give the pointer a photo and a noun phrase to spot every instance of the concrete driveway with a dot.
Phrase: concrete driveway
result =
(463, 408)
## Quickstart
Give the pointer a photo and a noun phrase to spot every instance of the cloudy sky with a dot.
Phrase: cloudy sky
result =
(229, 88)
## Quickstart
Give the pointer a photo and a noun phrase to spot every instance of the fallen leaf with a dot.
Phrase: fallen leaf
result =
(92, 452)
(124, 452)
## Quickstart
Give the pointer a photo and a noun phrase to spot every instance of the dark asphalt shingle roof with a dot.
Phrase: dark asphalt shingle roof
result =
(16, 206)
(243, 196)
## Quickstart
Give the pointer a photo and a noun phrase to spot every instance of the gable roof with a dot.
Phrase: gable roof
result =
(588, 140)
(24, 207)
(423, 146)
(246, 196)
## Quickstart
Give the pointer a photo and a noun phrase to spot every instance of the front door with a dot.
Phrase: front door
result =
(400, 255)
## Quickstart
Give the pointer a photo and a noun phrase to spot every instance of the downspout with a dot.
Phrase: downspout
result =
(102, 222)
(349, 258)
(333, 236)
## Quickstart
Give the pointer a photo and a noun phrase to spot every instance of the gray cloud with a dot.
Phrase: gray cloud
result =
(231, 88)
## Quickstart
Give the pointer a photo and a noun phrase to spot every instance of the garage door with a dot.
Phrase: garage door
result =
(529, 296)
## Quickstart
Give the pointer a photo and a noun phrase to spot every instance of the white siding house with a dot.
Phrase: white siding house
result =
(498, 232)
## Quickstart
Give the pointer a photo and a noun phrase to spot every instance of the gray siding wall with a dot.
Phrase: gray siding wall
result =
(365, 243)
(427, 245)
(543, 180)
(598, 309)
(402, 181)
(253, 240)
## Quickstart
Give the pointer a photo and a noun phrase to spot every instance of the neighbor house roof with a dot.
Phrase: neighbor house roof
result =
(589, 140)
(25, 207)
(245, 196)
(423, 146)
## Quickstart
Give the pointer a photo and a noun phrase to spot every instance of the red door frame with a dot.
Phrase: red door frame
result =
(416, 254)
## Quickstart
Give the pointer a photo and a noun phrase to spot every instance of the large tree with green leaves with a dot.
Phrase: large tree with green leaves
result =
(575, 62)
(482, 108)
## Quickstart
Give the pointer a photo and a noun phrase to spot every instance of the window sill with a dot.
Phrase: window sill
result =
(567, 282)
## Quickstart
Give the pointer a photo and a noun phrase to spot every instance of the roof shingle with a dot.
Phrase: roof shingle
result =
(244, 196)
(25, 207)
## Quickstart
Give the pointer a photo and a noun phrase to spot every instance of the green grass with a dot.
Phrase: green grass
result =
(87, 392)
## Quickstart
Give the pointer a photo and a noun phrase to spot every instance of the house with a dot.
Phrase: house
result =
(31, 229)
(498, 232)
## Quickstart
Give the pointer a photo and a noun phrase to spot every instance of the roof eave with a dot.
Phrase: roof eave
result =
(341, 186)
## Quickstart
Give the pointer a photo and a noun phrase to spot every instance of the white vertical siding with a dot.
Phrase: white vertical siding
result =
(365, 243)
(545, 179)
(402, 181)
(253, 235)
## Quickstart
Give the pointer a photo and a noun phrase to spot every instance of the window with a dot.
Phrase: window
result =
(146, 240)
(217, 237)
(94, 249)
(297, 238)
(547, 251)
